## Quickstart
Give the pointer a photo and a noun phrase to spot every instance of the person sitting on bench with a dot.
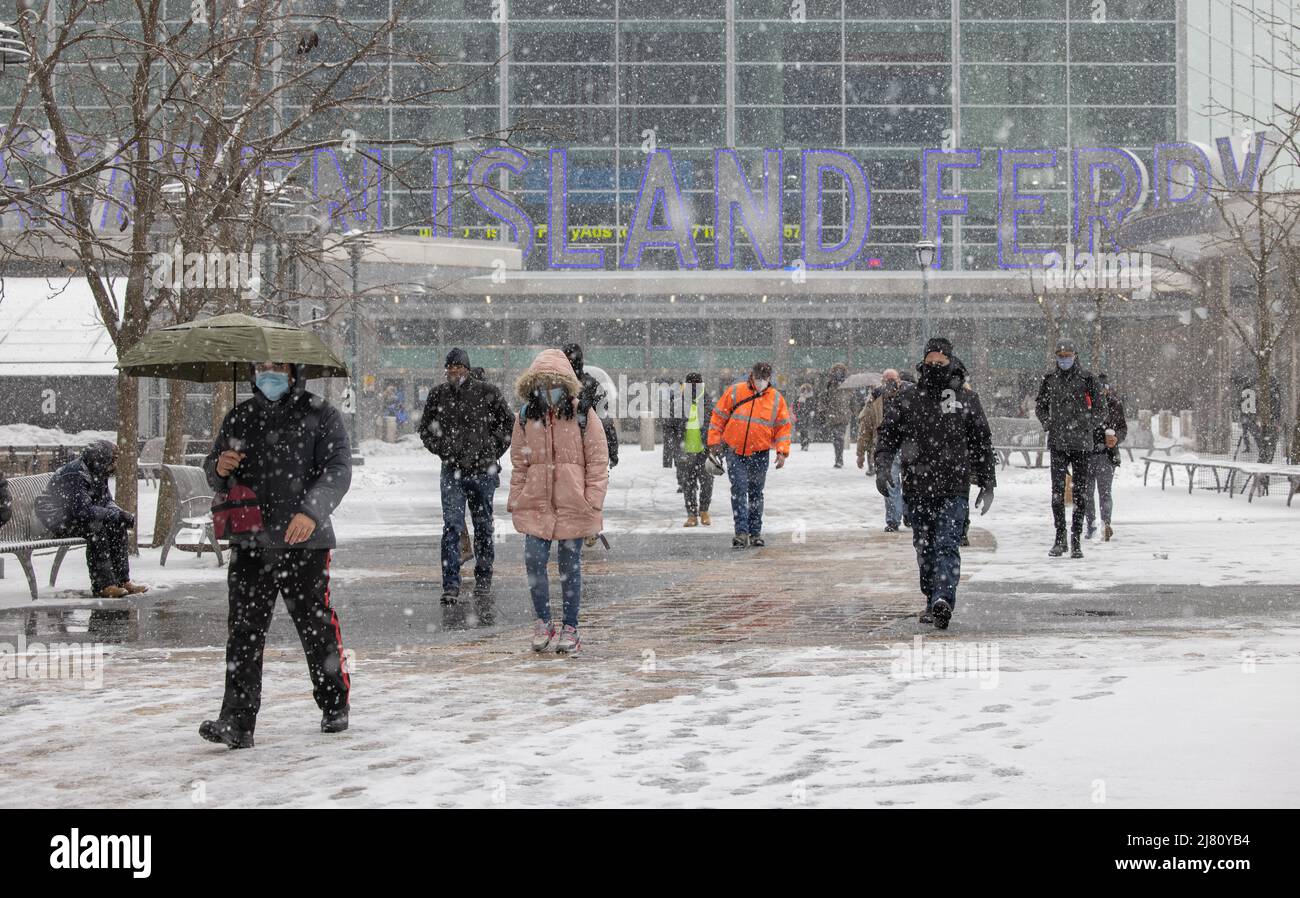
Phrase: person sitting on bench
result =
(77, 503)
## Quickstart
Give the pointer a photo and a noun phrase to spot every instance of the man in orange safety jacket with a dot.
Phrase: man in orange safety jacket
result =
(749, 420)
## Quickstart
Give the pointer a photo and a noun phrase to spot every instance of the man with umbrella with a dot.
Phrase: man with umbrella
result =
(290, 448)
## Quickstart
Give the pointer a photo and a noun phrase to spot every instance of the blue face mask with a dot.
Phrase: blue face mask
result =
(273, 384)
(555, 395)
(1065, 364)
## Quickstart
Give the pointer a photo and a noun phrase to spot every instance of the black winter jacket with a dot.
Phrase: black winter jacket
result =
(467, 426)
(77, 496)
(297, 459)
(941, 437)
(1070, 406)
(593, 397)
(1115, 421)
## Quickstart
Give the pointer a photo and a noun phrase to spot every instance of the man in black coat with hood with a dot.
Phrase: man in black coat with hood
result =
(290, 448)
(1071, 407)
(940, 434)
(77, 503)
(467, 424)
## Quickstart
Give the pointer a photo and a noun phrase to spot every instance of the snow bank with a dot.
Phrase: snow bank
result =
(31, 435)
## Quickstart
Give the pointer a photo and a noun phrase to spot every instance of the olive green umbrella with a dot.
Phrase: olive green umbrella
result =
(220, 349)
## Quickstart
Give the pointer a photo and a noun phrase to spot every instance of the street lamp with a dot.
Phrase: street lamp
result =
(11, 47)
(924, 258)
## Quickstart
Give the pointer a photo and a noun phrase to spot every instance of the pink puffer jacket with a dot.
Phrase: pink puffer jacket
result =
(561, 471)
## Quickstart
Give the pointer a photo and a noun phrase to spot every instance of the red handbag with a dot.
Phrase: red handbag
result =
(235, 511)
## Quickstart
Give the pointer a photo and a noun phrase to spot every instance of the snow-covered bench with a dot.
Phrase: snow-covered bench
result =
(192, 512)
(1240, 476)
(25, 534)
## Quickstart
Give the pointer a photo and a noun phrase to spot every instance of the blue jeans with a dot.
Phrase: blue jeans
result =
(477, 490)
(747, 474)
(936, 534)
(537, 552)
(894, 511)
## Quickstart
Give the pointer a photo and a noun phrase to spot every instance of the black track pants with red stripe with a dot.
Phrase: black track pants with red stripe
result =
(255, 578)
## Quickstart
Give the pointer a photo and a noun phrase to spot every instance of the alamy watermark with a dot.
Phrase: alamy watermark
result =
(64, 661)
(1098, 271)
(946, 659)
(206, 270)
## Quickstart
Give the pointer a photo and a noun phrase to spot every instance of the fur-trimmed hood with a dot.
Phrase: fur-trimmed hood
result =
(550, 368)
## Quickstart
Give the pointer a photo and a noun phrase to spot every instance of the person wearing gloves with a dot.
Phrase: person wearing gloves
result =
(283, 461)
(943, 441)
(77, 503)
(750, 420)
(560, 472)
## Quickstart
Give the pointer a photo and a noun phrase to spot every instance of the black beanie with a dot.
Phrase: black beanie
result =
(457, 356)
(938, 344)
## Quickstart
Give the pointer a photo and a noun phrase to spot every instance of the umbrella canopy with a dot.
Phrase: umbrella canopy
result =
(861, 380)
(220, 349)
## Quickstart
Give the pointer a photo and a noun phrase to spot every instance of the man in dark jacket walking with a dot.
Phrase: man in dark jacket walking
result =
(467, 424)
(593, 397)
(290, 448)
(77, 503)
(1104, 460)
(939, 432)
(1070, 407)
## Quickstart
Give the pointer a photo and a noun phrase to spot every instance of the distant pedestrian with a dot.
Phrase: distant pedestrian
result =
(1105, 459)
(839, 407)
(873, 415)
(697, 482)
(558, 483)
(749, 422)
(6, 501)
(467, 424)
(77, 504)
(805, 414)
(284, 453)
(943, 439)
(1070, 407)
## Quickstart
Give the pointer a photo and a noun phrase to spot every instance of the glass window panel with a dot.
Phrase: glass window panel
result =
(1122, 43)
(1013, 85)
(898, 84)
(442, 10)
(552, 126)
(663, 84)
(1028, 127)
(867, 126)
(457, 85)
(1025, 43)
(671, 42)
(781, 9)
(673, 9)
(901, 42)
(1002, 10)
(571, 42)
(778, 84)
(565, 85)
(787, 42)
(1132, 85)
(1121, 10)
(890, 9)
(779, 126)
(561, 9)
(1124, 127)
(675, 127)
(445, 42)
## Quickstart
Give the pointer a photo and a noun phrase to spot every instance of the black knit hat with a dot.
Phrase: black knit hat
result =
(762, 369)
(457, 356)
(1065, 344)
(694, 378)
(938, 344)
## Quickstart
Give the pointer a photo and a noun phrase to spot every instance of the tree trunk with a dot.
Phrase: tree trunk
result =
(128, 434)
(1268, 417)
(173, 454)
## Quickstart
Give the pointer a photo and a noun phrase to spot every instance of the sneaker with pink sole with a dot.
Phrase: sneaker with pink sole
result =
(543, 633)
(569, 641)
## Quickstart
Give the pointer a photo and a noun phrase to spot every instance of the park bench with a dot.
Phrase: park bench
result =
(192, 511)
(1240, 477)
(25, 534)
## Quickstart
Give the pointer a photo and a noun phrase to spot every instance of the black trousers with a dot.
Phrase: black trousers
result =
(256, 577)
(106, 551)
(1077, 463)
(697, 483)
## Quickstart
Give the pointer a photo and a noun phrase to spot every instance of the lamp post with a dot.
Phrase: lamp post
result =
(12, 51)
(924, 258)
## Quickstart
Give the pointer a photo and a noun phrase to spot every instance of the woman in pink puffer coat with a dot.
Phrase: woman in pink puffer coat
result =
(557, 487)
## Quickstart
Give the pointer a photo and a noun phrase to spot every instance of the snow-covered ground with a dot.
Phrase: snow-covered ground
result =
(1191, 718)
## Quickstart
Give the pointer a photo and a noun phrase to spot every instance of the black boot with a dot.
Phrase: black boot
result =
(1076, 551)
(335, 722)
(942, 614)
(226, 730)
(1059, 547)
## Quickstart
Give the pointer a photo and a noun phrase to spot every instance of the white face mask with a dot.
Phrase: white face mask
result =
(760, 385)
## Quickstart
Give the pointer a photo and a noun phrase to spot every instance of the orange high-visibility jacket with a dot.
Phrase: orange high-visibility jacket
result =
(751, 426)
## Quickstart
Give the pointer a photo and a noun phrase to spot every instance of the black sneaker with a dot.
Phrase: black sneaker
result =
(965, 540)
(927, 617)
(450, 596)
(891, 528)
(942, 614)
(1076, 551)
(1058, 548)
(334, 723)
(757, 542)
(1092, 531)
(227, 732)
(740, 541)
